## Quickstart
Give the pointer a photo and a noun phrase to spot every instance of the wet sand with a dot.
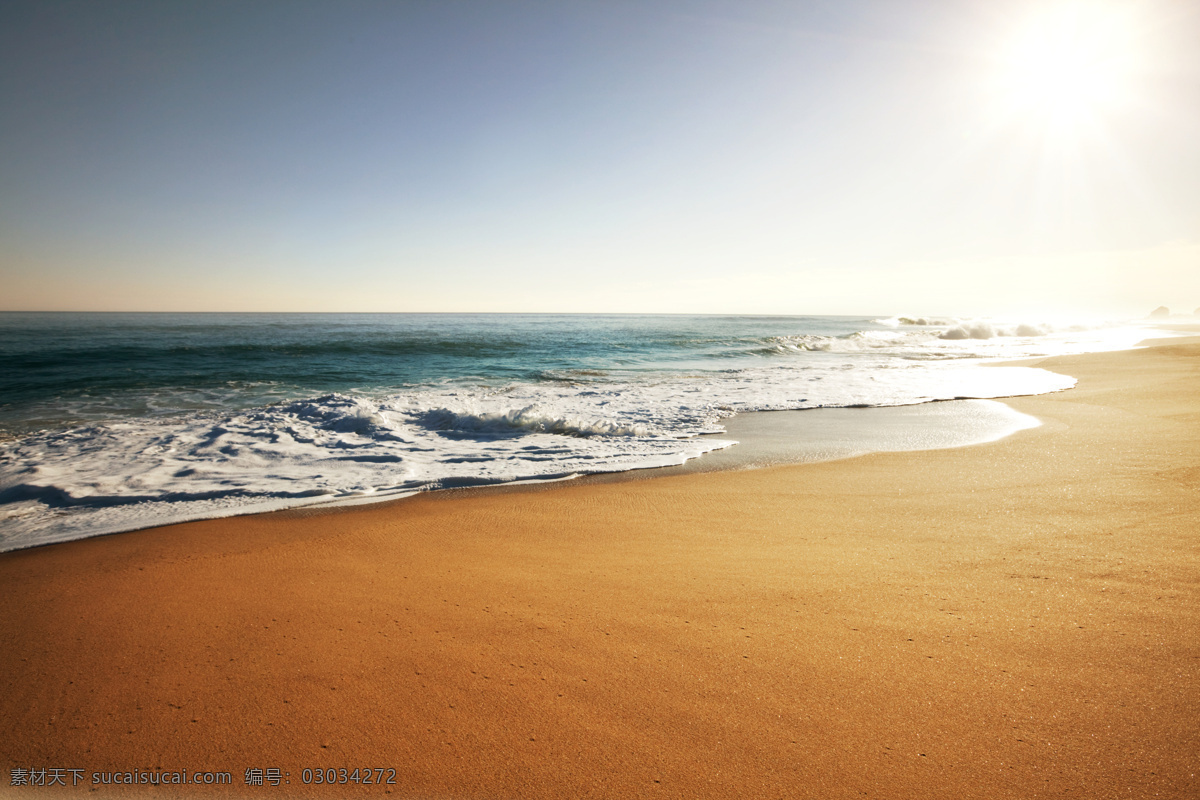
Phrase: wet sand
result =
(1013, 619)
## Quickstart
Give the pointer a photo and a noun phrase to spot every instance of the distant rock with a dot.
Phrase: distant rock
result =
(1160, 312)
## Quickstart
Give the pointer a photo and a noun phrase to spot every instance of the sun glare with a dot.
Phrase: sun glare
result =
(1069, 64)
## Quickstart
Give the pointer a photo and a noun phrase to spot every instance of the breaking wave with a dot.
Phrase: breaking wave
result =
(167, 451)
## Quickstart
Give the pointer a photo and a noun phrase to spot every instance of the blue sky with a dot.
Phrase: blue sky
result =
(599, 156)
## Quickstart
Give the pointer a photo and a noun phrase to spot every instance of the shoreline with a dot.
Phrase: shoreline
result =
(767, 438)
(1018, 618)
(70, 499)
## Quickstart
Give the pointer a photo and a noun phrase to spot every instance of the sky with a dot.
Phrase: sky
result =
(954, 157)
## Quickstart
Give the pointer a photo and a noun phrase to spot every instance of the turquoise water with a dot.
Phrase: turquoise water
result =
(64, 369)
(119, 421)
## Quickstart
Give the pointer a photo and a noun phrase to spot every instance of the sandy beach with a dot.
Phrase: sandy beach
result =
(1017, 619)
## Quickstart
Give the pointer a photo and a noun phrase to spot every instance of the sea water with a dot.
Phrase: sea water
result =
(113, 422)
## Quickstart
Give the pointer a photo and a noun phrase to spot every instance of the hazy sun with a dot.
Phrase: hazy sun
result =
(1071, 62)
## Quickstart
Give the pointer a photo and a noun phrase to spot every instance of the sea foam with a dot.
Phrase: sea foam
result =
(624, 412)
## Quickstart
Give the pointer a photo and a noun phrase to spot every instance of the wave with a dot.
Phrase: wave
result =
(134, 473)
(987, 330)
(856, 342)
(959, 328)
(546, 420)
(531, 418)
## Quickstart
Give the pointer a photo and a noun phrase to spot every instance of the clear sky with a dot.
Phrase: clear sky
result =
(850, 156)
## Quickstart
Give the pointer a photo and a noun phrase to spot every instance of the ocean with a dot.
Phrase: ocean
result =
(114, 422)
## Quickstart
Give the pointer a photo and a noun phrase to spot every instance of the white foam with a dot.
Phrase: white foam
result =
(340, 448)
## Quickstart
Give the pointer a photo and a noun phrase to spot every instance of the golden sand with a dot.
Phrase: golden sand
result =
(1016, 619)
